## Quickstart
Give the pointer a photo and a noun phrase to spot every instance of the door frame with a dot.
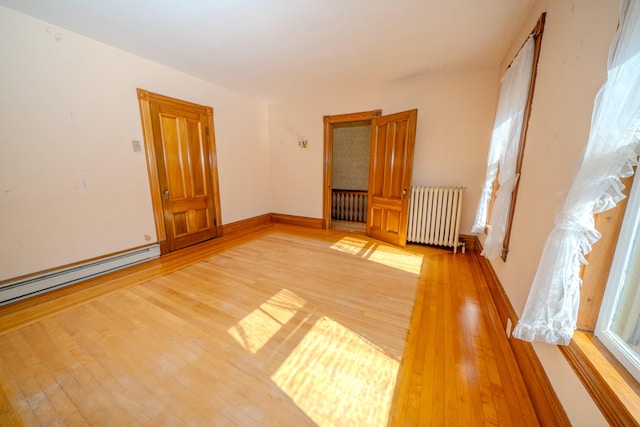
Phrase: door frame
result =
(144, 99)
(329, 121)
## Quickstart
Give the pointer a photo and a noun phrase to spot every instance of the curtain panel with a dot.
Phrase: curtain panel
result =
(551, 310)
(503, 150)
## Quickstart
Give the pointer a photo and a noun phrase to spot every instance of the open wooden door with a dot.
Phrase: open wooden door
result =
(391, 166)
(181, 154)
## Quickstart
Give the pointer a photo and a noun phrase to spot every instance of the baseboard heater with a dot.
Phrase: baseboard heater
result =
(34, 285)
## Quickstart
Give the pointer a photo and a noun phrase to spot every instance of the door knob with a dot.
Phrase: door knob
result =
(166, 194)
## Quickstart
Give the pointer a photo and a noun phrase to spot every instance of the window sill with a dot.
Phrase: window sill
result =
(613, 389)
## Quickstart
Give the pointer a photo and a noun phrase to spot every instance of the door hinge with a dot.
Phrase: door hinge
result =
(215, 222)
(207, 130)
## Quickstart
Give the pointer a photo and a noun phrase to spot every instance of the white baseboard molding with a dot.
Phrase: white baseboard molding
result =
(34, 285)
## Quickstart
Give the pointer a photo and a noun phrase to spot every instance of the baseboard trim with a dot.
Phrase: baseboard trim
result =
(544, 398)
(38, 283)
(300, 221)
(244, 224)
(23, 287)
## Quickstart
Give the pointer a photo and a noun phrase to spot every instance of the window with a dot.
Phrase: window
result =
(506, 150)
(610, 382)
(618, 324)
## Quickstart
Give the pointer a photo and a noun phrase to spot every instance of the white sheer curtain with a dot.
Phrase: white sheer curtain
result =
(503, 150)
(551, 310)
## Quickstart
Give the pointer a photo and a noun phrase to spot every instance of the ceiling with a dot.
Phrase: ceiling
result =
(276, 49)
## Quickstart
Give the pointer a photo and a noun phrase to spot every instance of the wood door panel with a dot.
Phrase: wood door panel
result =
(375, 217)
(190, 221)
(392, 221)
(386, 218)
(201, 219)
(180, 223)
(171, 140)
(184, 155)
(390, 161)
(183, 205)
(196, 150)
(391, 167)
(378, 162)
(396, 183)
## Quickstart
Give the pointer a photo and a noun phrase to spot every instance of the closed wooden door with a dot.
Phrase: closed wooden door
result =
(183, 145)
(390, 171)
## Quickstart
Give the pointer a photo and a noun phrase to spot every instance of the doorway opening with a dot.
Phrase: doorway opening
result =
(347, 139)
(349, 194)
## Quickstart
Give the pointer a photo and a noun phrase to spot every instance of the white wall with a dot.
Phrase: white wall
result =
(455, 114)
(571, 69)
(71, 187)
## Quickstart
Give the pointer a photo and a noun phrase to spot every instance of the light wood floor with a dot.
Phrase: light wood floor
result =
(279, 326)
(349, 226)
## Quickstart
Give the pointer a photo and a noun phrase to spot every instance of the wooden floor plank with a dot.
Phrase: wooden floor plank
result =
(276, 326)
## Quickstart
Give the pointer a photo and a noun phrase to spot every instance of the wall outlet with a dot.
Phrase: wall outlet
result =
(508, 328)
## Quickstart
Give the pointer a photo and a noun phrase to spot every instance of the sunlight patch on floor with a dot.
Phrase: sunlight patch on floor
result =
(338, 378)
(350, 245)
(263, 323)
(381, 254)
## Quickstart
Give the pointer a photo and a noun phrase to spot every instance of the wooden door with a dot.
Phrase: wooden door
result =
(390, 170)
(181, 142)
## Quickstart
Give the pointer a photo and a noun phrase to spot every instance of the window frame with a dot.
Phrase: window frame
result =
(536, 33)
(616, 281)
(596, 272)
